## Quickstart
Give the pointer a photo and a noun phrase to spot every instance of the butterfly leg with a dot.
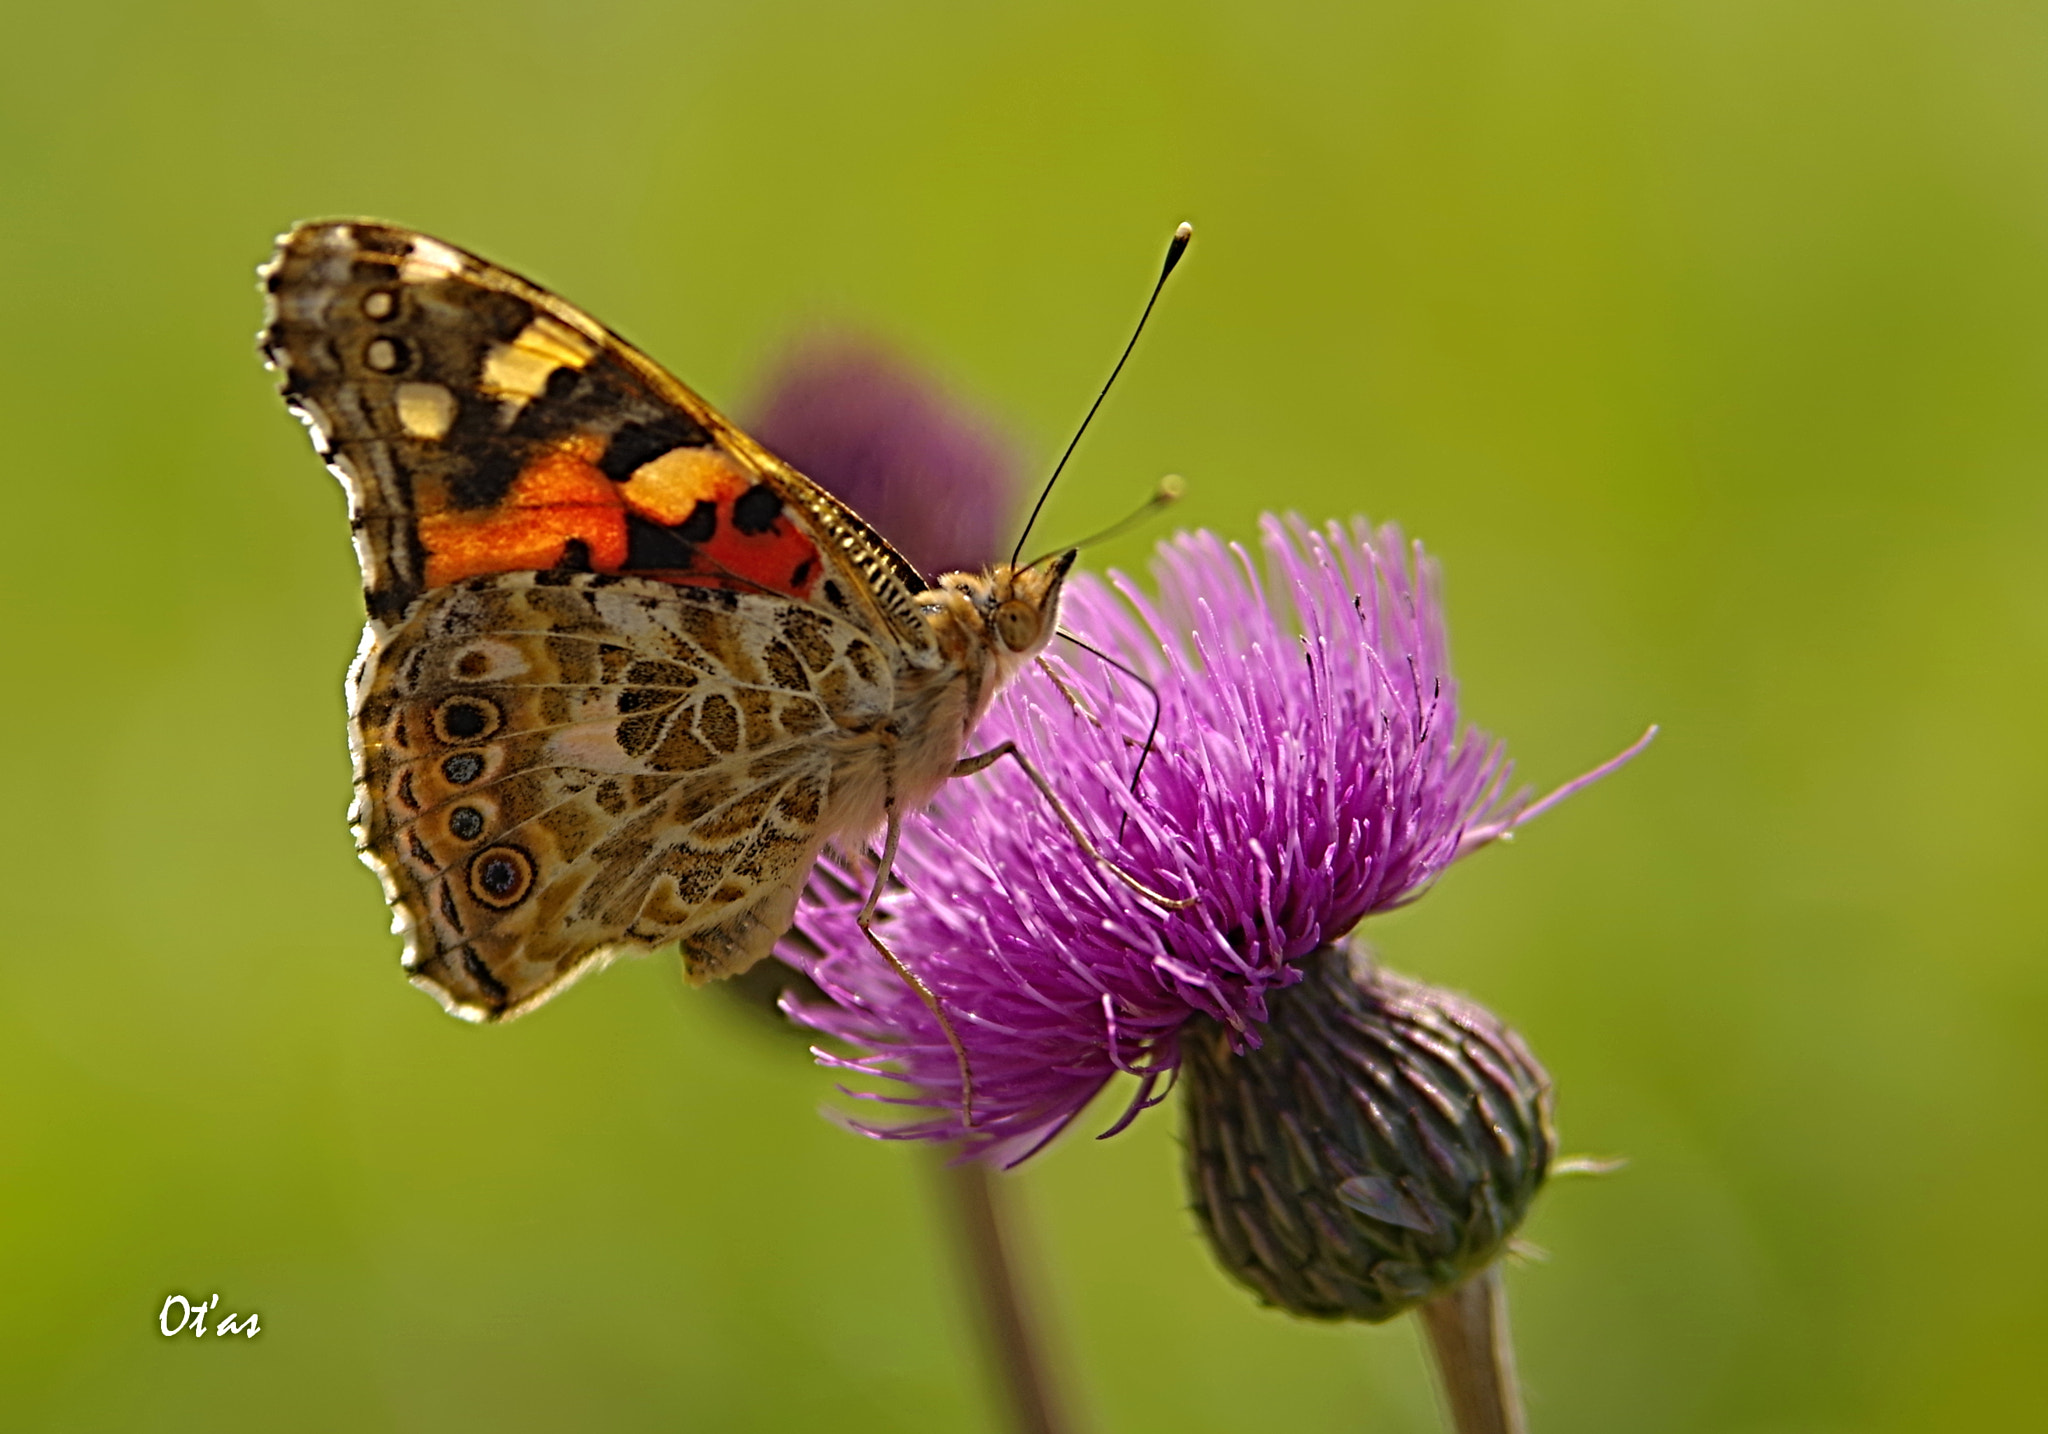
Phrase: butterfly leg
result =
(866, 921)
(982, 761)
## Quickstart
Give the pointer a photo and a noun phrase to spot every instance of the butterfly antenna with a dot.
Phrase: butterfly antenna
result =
(1172, 488)
(1177, 247)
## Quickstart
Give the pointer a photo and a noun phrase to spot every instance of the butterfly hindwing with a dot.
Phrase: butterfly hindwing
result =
(552, 767)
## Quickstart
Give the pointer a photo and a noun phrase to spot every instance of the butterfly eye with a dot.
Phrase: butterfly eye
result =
(1017, 625)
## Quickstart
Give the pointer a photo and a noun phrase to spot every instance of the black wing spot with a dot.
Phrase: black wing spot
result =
(801, 574)
(449, 909)
(464, 719)
(481, 974)
(493, 469)
(381, 239)
(651, 547)
(561, 383)
(575, 557)
(463, 768)
(701, 524)
(467, 823)
(638, 443)
(644, 699)
(755, 511)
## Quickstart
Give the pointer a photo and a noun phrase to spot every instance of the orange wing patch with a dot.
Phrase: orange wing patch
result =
(691, 516)
(762, 547)
(558, 498)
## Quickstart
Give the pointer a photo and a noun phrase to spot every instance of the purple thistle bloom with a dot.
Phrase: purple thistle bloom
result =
(1308, 772)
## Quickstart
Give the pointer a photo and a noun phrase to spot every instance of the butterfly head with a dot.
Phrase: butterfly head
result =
(1016, 609)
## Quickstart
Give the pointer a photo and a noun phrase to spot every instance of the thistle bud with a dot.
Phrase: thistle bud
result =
(1377, 1149)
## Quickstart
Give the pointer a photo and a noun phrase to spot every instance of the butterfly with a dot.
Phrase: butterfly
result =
(625, 673)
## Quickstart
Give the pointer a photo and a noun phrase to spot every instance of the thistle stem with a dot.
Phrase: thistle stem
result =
(1475, 1355)
(988, 1251)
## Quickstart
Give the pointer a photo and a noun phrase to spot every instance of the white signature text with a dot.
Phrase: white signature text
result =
(180, 1314)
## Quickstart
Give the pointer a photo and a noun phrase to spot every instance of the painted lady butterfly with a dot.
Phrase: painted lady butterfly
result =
(625, 673)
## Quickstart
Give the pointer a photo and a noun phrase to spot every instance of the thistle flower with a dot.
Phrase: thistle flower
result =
(1308, 772)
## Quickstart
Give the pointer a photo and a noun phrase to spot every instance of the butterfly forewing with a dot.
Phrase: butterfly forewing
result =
(482, 424)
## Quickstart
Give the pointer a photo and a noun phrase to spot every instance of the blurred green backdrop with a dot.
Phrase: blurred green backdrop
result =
(1705, 342)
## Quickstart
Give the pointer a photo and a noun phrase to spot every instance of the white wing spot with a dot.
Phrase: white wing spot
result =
(429, 261)
(519, 370)
(426, 410)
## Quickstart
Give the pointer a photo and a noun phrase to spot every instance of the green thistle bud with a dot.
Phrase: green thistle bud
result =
(1379, 1148)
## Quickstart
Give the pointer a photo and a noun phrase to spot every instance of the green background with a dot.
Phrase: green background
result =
(1706, 343)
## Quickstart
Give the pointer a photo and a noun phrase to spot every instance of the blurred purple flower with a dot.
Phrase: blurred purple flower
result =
(1308, 772)
(926, 472)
